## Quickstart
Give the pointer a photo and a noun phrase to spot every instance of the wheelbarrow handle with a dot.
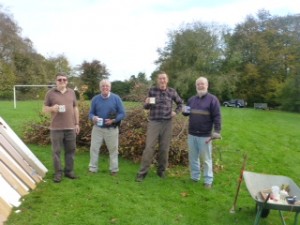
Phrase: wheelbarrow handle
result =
(260, 209)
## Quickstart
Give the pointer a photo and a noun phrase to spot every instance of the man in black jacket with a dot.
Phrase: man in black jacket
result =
(204, 125)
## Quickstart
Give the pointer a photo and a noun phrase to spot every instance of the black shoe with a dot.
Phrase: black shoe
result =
(71, 175)
(207, 186)
(161, 174)
(57, 178)
(140, 177)
(113, 174)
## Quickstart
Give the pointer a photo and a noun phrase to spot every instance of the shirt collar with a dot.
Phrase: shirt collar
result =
(202, 96)
(106, 96)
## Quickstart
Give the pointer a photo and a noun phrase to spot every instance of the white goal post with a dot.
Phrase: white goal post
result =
(28, 85)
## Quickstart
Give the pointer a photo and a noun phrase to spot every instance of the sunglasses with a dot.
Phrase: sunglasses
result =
(62, 80)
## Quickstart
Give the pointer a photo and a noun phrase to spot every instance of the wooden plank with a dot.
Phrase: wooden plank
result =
(5, 209)
(20, 146)
(9, 194)
(17, 157)
(16, 169)
(13, 180)
(2, 219)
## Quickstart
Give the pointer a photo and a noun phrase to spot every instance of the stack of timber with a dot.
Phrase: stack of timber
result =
(20, 170)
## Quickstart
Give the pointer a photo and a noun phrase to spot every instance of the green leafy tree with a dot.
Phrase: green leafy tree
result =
(122, 88)
(8, 37)
(138, 92)
(261, 49)
(193, 50)
(289, 95)
(91, 74)
(20, 63)
(139, 86)
(7, 81)
(57, 64)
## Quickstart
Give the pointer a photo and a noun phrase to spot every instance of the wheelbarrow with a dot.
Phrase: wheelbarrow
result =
(258, 185)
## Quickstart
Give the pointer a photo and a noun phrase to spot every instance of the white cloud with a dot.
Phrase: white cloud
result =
(124, 35)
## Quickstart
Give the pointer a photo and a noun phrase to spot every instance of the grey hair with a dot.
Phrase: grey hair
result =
(201, 79)
(105, 81)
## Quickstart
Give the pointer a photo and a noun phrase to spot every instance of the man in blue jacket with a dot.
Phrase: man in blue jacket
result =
(106, 112)
(204, 125)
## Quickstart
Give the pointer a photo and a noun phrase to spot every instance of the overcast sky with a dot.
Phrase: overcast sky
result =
(124, 35)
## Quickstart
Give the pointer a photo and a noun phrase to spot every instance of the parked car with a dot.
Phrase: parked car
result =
(263, 106)
(238, 103)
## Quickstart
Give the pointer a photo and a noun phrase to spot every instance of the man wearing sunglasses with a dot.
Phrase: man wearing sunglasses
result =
(60, 103)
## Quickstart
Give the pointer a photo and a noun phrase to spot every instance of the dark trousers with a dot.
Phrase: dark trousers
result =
(63, 139)
(157, 132)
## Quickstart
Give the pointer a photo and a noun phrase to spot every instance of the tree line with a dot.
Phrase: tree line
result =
(257, 60)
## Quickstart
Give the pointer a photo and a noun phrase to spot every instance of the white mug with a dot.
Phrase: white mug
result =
(152, 100)
(186, 109)
(61, 108)
(99, 122)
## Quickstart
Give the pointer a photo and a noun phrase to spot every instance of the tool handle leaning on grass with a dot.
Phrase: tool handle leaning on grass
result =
(213, 137)
(232, 210)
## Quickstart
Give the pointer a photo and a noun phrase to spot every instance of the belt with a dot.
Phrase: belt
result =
(108, 127)
(161, 120)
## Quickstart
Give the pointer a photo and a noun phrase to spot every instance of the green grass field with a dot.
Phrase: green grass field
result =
(270, 139)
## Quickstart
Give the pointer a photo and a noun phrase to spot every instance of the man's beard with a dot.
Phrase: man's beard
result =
(201, 92)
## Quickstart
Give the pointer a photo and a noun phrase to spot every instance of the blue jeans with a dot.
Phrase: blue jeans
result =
(200, 151)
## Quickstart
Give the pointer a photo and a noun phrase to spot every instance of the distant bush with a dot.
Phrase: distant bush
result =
(37, 132)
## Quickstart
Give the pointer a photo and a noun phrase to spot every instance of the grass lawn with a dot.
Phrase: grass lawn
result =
(270, 139)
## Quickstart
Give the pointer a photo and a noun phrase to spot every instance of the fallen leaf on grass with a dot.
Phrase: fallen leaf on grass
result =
(184, 194)
(113, 220)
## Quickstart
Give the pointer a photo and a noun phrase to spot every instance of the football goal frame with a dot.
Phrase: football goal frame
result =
(28, 85)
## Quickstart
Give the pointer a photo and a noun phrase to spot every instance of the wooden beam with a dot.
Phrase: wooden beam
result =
(15, 168)
(18, 185)
(23, 150)
(5, 208)
(17, 157)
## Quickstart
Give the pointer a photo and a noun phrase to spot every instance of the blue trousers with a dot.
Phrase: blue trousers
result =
(200, 152)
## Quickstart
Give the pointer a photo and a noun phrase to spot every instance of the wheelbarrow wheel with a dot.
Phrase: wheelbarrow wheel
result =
(264, 212)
